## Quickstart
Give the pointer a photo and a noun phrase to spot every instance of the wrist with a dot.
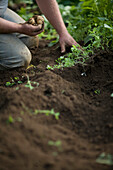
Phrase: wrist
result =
(19, 28)
(63, 32)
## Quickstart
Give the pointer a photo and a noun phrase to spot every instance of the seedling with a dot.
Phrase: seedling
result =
(48, 112)
(29, 83)
(10, 120)
(17, 88)
(13, 82)
(10, 84)
(105, 159)
(16, 78)
(57, 144)
(111, 94)
(97, 91)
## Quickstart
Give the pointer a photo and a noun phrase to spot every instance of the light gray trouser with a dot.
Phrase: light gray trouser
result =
(14, 50)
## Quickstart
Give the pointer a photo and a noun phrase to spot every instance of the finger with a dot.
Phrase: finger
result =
(37, 28)
(63, 49)
(38, 32)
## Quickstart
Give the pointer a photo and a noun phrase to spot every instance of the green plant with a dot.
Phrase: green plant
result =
(105, 159)
(36, 111)
(76, 56)
(29, 83)
(111, 94)
(48, 112)
(97, 91)
(57, 144)
(11, 120)
(13, 82)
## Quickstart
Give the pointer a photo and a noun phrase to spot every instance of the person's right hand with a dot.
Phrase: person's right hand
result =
(31, 30)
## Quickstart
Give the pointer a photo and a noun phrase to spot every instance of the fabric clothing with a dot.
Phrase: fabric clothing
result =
(3, 6)
(14, 50)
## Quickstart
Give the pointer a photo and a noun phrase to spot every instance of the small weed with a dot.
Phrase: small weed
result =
(105, 159)
(13, 82)
(63, 91)
(11, 120)
(17, 88)
(48, 112)
(10, 84)
(97, 91)
(57, 144)
(111, 94)
(29, 83)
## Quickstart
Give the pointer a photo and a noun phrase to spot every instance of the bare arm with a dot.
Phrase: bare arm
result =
(8, 27)
(51, 11)
(11, 27)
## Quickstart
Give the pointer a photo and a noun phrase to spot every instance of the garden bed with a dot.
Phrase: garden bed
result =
(82, 96)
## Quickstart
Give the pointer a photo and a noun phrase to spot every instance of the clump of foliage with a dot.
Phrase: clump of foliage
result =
(76, 56)
(13, 82)
(90, 20)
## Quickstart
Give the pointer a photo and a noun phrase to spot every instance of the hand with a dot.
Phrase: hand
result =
(31, 30)
(66, 39)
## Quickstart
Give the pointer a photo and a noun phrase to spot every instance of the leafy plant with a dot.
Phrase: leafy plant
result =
(76, 56)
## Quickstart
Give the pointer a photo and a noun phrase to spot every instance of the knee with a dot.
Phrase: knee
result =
(26, 58)
(30, 42)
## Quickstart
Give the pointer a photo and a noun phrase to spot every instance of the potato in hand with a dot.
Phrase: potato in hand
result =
(36, 20)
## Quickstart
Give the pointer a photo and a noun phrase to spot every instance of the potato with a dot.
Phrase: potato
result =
(31, 21)
(36, 20)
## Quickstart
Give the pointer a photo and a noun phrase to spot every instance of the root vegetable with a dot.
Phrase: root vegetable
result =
(36, 20)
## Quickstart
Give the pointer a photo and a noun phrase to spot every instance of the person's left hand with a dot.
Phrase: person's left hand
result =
(66, 39)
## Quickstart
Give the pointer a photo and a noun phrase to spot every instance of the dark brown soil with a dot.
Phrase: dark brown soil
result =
(85, 125)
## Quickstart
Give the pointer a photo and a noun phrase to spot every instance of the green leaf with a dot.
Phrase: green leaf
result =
(10, 119)
(20, 82)
(111, 94)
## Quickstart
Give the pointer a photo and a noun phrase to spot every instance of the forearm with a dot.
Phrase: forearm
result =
(51, 10)
(8, 27)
